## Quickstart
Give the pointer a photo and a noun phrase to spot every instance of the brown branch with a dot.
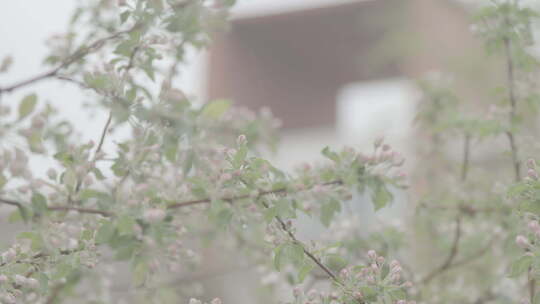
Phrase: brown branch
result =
(308, 253)
(245, 196)
(10, 202)
(468, 259)
(77, 55)
(474, 256)
(55, 293)
(82, 210)
(466, 152)
(453, 253)
(103, 135)
(230, 199)
(513, 107)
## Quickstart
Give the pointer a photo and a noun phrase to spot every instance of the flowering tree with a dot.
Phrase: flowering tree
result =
(192, 174)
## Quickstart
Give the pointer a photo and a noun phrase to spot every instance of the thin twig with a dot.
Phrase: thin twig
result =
(230, 199)
(466, 152)
(81, 210)
(10, 202)
(77, 55)
(453, 253)
(513, 108)
(245, 196)
(103, 135)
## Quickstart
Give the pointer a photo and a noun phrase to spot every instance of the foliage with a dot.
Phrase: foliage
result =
(191, 176)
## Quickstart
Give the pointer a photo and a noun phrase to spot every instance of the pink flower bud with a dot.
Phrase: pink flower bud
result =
(372, 254)
(225, 177)
(531, 164)
(408, 284)
(19, 279)
(394, 263)
(380, 260)
(312, 294)
(8, 255)
(396, 269)
(358, 295)
(32, 283)
(241, 140)
(531, 173)
(522, 241)
(297, 291)
(533, 225)
(8, 299)
(154, 215)
(216, 301)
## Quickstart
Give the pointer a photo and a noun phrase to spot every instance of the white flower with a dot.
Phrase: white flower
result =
(522, 241)
(241, 140)
(19, 279)
(216, 301)
(8, 255)
(8, 299)
(32, 283)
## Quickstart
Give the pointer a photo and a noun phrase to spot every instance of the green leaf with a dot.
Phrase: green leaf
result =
(125, 225)
(98, 173)
(380, 195)
(20, 214)
(91, 193)
(288, 253)
(216, 109)
(304, 271)
(140, 272)
(34, 237)
(188, 162)
(3, 180)
(239, 157)
(39, 203)
(520, 266)
(27, 105)
(330, 154)
(278, 256)
(105, 233)
(328, 210)
(124, 16)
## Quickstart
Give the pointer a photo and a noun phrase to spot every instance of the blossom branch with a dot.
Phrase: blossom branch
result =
(453, 253)
(77, 55)
(231, 199)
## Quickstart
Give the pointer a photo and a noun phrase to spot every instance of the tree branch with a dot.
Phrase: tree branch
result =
(510, 78)
(453, 253)
(230, 199)
(77, 55)
(466, 152)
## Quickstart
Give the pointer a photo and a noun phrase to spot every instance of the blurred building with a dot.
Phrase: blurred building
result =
(339, 72)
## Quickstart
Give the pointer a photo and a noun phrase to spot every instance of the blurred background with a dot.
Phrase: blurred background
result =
(336, 72)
